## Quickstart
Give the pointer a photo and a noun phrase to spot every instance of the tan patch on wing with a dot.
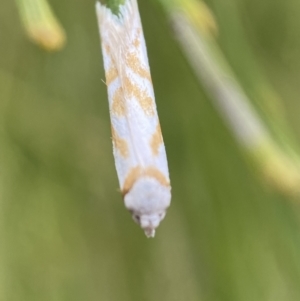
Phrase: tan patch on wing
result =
(138, 172)
(111, 75)
(153, 172)
(118, 106)
(156, 140)
(145, 101)
(119, 143)
(134, 63)
(107, 48)
(131, 178)
(136, 42)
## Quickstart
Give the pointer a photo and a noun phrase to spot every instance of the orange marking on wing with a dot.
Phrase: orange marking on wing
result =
(156, 140)
(138, 172)
(136, 42)
(153, 172)
(118, 106)
(133, 62)
(107, 48)
(145, 101)
(119, 143)
(111, 75)
(131, 178)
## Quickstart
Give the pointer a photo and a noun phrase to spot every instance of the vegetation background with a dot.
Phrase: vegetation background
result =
(65, 234)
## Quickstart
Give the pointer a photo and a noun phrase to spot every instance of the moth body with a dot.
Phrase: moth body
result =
(138, 147)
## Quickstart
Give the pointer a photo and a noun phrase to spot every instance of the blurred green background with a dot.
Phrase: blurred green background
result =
(65, 233)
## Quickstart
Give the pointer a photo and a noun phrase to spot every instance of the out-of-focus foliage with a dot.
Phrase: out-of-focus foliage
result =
(41, 25)
(267, 140)
(65, 234)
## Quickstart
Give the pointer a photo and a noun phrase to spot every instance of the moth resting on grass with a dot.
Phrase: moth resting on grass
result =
(138, 146)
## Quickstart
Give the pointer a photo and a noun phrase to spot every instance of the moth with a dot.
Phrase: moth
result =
(138, 146)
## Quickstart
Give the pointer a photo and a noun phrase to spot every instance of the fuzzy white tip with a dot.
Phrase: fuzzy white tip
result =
(150, 232)
(148, 201)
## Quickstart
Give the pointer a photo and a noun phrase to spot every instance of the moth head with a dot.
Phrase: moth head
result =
(148, 200)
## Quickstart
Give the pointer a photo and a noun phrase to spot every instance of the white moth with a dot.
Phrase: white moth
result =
(138, 147)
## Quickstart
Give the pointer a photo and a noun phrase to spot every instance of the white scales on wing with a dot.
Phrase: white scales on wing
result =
(138, 146)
